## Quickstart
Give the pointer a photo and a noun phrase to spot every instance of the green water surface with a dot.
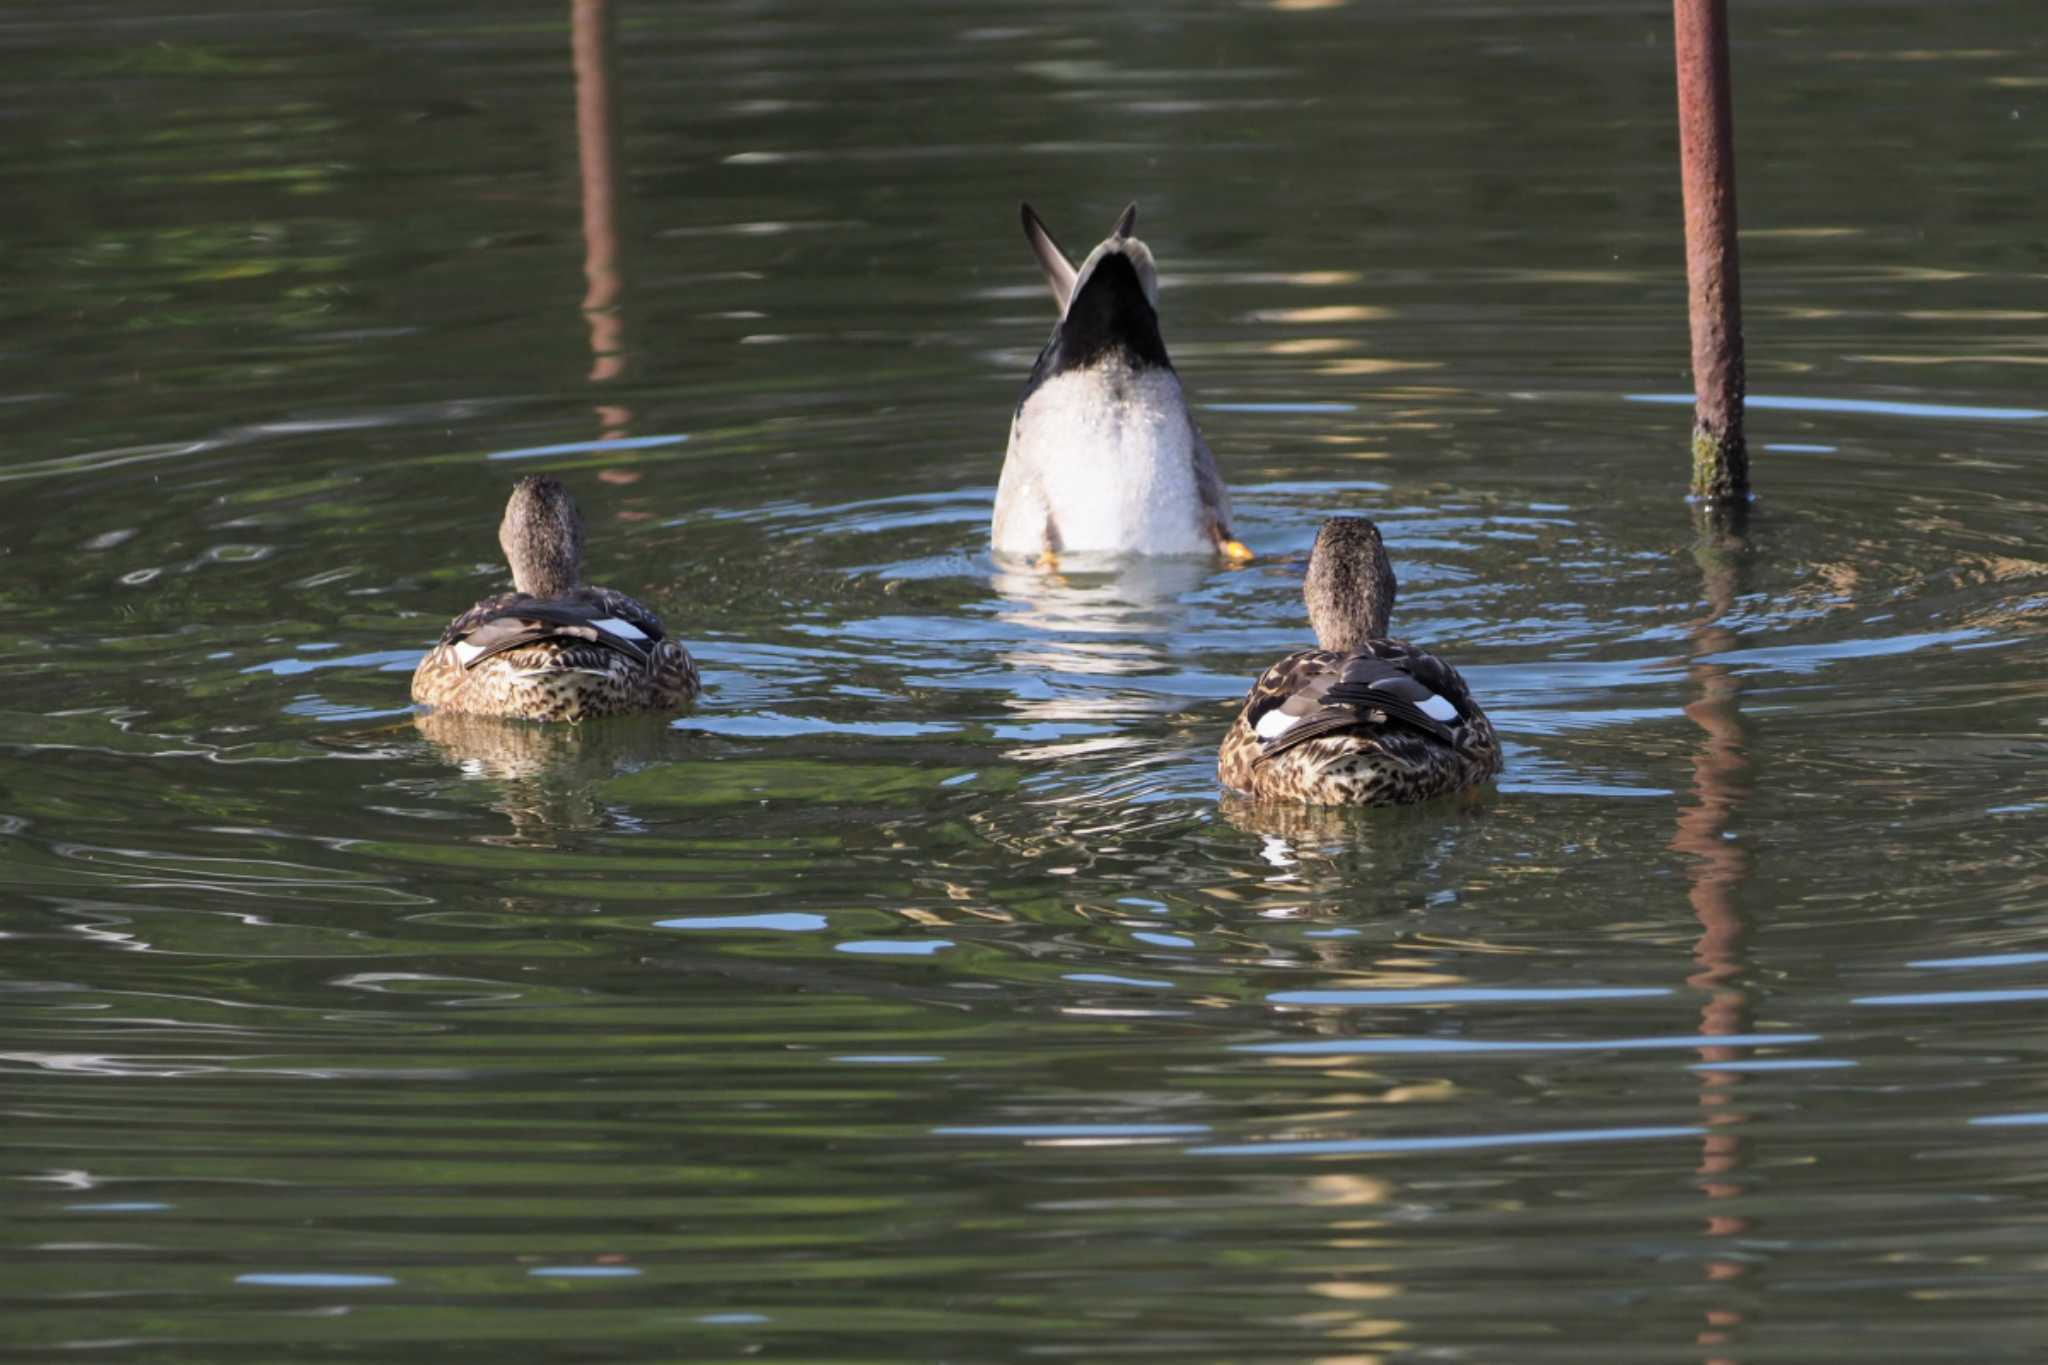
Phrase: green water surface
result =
(916, 996)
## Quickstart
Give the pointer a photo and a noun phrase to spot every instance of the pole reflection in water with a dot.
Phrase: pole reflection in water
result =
(1719, 867)
(591, 31)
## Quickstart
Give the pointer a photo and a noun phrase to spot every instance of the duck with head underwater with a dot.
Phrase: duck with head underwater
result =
(553, 648)
(1104, 455)
(1365, 719)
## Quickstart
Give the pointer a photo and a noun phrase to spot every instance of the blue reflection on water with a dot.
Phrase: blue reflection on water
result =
(1988, 960)
(780, 724)
(377, 658)
(133, 1206)
(1347, 1046)
(1810, 658)
(1073, 1130)
(788, 922)
(1777, 1064)
(895, 947)
(1952, 998)
(1443, 1144)
(581, 447)
(1877, 405)
(315, 1280)
(1280, 407)
(1462, 994)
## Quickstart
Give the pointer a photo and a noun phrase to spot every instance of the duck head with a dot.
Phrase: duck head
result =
(1350, 585)
(542, 536)
(1108, 307)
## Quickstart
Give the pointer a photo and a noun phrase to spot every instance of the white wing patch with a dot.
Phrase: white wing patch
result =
(1436, 708)
(625, 630)
(467, 652)
(1274, 724)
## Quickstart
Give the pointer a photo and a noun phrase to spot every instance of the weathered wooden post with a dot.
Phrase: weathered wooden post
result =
(1706, 139)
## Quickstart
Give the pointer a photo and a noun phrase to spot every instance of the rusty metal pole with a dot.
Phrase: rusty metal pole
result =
(1706, 140)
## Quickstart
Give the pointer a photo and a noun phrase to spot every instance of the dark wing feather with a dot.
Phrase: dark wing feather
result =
(1385, 685)
(515, 620)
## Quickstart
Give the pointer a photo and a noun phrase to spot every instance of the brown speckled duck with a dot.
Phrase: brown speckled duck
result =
(553, 649)
(1364, 720)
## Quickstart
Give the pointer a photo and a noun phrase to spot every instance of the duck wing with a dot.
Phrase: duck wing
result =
(1390, 685)
(596, 619)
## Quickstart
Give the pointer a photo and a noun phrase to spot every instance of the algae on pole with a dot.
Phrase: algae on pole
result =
(1706, 137)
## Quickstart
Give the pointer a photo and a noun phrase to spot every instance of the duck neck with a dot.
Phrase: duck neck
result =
(1349, 632)
(545, 571)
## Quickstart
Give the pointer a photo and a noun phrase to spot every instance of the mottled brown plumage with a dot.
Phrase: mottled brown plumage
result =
(1365, 719)
(553, 649)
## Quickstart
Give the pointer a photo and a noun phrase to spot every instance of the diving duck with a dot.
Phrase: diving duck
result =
(1104, 455)
(553, 648)
(1365, 720)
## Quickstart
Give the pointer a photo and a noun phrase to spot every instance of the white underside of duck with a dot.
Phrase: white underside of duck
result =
(1102, 460)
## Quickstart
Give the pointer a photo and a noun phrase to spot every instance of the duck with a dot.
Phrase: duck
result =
(1104, 454)
(1363, 719)
(554, 648)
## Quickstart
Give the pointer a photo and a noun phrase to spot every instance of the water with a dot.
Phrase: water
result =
(915, 997)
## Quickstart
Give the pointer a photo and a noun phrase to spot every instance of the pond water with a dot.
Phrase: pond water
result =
(916, 996)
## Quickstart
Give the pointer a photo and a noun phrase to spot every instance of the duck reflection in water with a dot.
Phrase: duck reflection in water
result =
(548, 778)
(1099, 618)
(1316, 850)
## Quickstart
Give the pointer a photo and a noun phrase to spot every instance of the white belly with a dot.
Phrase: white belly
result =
(1108, 456)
